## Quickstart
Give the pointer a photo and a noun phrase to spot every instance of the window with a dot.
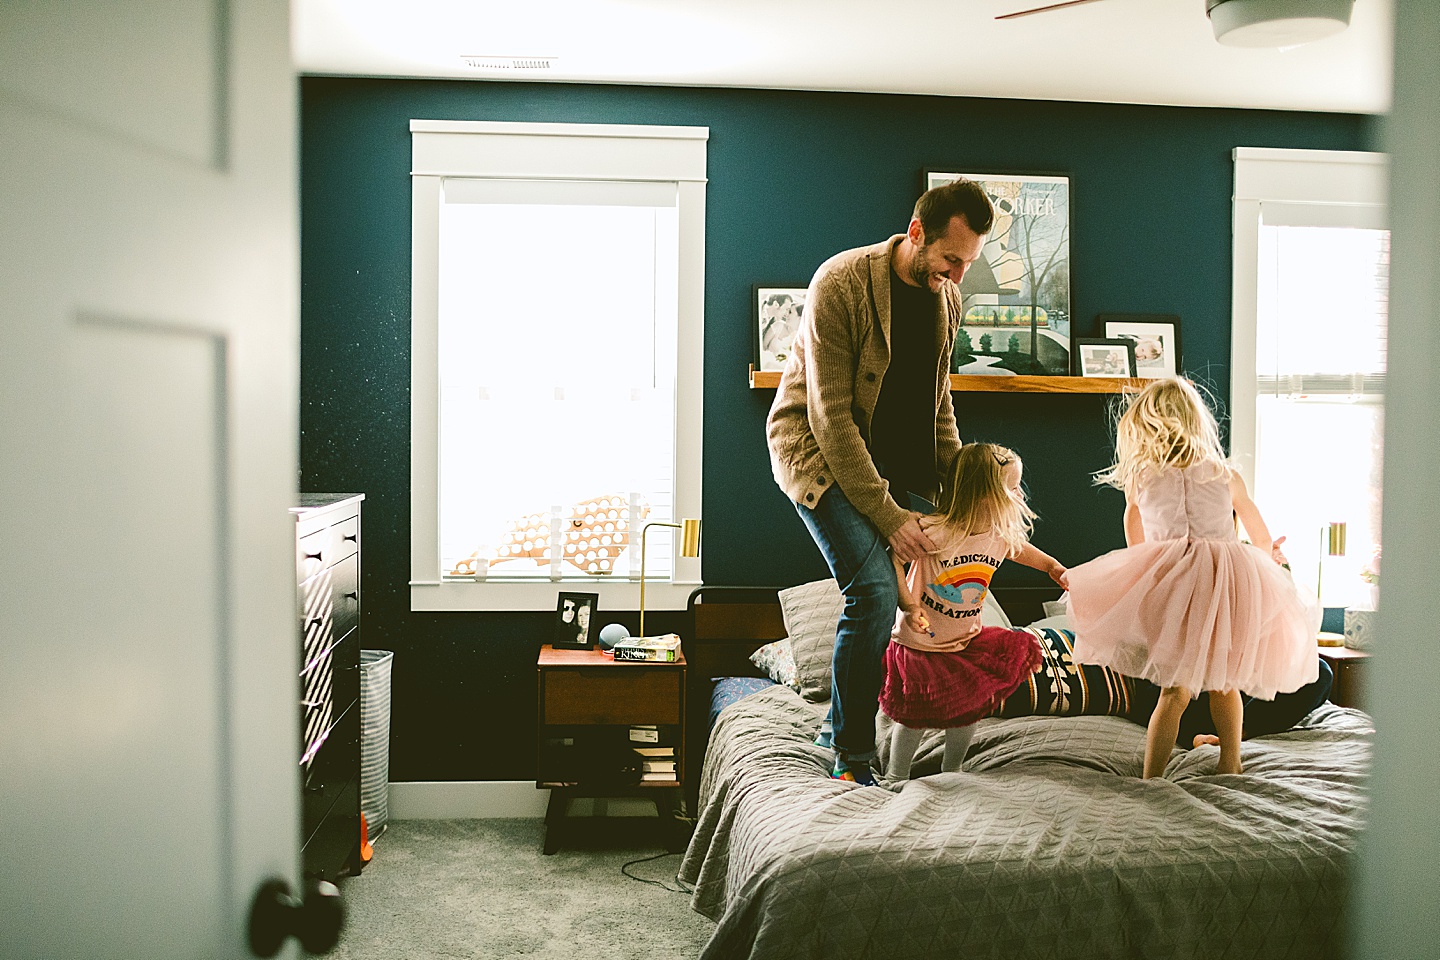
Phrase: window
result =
(1312, 267)
(557, 298)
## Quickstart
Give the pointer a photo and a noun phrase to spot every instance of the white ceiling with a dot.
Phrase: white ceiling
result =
(1111, 51)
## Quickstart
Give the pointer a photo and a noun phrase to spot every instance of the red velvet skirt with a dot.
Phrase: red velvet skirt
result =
(941, 690)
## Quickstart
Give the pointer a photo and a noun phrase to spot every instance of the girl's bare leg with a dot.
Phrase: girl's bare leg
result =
(1164, 727)
(903, 743)
(1228, 712)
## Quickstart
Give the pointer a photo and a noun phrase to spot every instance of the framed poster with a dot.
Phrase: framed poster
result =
(778, 311)
(575, 621)
(1156, 337)
(1105, 357)
(1017, 295)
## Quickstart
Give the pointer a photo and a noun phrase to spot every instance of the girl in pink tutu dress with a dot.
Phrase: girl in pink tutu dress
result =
(942, 668)
(1186, 605)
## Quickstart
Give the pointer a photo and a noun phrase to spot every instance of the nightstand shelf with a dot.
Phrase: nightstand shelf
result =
(587, 704)
(1349, 666)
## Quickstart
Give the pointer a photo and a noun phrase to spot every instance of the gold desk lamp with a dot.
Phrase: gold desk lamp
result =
(689, 547)
(1332, 543)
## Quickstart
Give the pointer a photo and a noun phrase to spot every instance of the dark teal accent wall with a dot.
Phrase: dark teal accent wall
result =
(794, 178)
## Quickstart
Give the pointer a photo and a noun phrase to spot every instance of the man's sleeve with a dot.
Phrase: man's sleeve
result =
(831, 364)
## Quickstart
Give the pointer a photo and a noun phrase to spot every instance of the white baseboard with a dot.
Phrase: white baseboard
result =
(495, 800)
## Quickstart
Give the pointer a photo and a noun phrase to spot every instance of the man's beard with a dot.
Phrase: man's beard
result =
(918, 271)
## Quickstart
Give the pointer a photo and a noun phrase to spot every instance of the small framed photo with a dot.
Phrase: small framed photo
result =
(575, 621)
(778, 311)
(1156, 337)
(1108, 357)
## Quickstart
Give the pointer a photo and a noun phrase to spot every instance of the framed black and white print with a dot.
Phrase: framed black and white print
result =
(1156, 337)
(1107, 357)
(575, 621)
(1016, 297)
(778, 311)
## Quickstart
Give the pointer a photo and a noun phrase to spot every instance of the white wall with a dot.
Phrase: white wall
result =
(1399, 889)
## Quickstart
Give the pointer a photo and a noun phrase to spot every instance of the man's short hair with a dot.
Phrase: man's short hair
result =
(965, 198)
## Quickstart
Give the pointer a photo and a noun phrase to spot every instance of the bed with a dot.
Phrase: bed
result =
(1046, 844)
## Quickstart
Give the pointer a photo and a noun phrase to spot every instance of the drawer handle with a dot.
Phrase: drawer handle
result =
(317, 555)
(312, 703)
(353, 537)
(353, 595)
(315, 621)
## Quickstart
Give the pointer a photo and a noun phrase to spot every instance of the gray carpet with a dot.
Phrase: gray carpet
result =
(482, 888)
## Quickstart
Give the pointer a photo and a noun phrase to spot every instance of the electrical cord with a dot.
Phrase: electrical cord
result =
(681, 888)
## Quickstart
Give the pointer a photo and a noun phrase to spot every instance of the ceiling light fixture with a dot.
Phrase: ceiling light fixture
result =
(1276, 23)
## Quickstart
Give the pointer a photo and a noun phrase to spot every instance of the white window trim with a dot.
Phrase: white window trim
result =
(1348, 178)
(540, 151)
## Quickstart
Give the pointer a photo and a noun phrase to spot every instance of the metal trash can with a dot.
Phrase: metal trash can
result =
(375, 738)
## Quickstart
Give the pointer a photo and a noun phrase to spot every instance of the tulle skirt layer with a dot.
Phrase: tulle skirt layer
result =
(939, 690)
(1198, 614)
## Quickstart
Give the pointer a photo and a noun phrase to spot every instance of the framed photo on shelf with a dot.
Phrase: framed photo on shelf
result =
(1105, 357)
(778, 311)
(575, 621)
(1156, 337)
(1016, 297)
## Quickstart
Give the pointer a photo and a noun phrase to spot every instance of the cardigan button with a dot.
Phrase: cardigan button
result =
(809, 497)
(870, 377)
(821, 481)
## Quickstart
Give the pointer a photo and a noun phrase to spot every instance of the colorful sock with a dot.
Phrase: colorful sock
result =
(856, 771)
(823, 738)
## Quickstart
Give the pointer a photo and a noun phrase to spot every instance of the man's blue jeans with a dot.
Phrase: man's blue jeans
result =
(855, 552)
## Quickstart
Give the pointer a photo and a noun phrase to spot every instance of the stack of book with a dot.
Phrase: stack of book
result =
(662, 649)
(657, 764)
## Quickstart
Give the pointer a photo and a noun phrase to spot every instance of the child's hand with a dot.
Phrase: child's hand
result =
(1060, 575)
(916, 620)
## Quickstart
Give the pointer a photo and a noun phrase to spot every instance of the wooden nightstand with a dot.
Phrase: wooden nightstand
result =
(587, 704)
(1349, 666)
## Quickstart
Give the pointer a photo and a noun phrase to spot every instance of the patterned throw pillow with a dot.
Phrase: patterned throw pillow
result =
(1064, 688)
(778, 661)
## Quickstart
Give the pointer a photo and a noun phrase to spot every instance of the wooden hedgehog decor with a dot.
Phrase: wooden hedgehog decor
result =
(592, 538)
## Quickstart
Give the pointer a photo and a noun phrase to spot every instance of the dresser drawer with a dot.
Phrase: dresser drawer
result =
(312, 554)
(345, 594)
(334, 759)
(344, 540)
(317, 627)
(612, 695)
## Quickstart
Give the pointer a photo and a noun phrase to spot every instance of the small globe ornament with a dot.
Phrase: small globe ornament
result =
(611, 634)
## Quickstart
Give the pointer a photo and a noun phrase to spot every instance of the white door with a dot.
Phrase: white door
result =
(148, 410)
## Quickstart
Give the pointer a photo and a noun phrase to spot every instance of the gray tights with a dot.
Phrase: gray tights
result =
(904, 741)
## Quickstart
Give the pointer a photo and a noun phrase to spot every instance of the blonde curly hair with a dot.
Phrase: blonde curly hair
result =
(984, 494)
(1167, 424)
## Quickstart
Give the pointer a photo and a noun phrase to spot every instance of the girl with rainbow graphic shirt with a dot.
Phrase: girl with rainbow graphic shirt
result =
(942, 668)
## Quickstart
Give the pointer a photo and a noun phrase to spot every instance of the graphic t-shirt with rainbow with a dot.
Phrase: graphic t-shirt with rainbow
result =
(951, 585)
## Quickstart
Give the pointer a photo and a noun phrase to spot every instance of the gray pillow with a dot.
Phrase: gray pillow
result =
(812, 613)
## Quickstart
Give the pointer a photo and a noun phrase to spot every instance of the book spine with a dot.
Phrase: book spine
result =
(641, 653)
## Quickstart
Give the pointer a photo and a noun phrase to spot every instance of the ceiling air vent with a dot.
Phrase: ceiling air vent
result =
(510, 63)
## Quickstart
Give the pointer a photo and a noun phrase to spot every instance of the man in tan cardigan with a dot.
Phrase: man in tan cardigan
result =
(863, 423)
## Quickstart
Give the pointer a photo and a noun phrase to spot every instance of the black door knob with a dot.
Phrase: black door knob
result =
(276, 913)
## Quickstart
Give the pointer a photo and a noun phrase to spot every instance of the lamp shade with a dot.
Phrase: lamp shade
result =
(1276, 23)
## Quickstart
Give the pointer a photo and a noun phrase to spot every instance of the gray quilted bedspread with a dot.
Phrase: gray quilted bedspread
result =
(1047, 845)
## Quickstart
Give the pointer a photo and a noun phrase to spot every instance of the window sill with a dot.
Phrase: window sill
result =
(511, 595)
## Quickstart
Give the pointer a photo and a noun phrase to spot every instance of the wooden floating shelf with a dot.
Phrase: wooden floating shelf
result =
(991, 383)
